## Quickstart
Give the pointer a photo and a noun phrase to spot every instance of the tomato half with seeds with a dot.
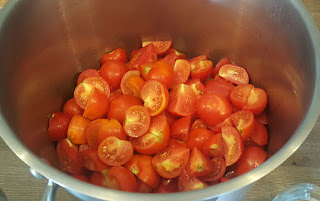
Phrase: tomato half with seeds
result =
(199, 165)
(141, 166)
(232, 143)
(118, 54)
(155, 96)
(112, 71)
(239, 95)
(162, 72)
(58, 126)
(123, 85)
(137, 121)
(188, 183)
(260, 134)
(219, 168)
(213, 147)
(234, 74)
(222, 62)
(197, 137)
(201, 69)
(76, 129)
(87, 73)
(244, 121)
(172, 56)
(91, 132)
(97, 106)
(113, 151)
(147, 54)
(181, 71)
(161, 46)
(120, 178)
(155, 139)
(170, 162)
(180, 128)
(91, 160)
(111, 128)
(135, 84)
(72, 108)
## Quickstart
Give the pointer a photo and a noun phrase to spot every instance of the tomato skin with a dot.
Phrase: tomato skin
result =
(58, 126)
(119, 106)
(111, 128)
(162, 72)
(161, 46)
(252, 157)
(118, 54)
(171, 118)
(199, 165)
(120, 178)
(170, 162)
(176, 143)
(72, 108)
(87, 73)
(172, 56)
(213, 108)
(181, 71)
(91, 132)
(91, 160)
(97, 178)
(197, 87)
(145, 69)
(219, 86)
(234, 74)
(201, 69)
(219, 170)
(81, 177)
(222, 62)
(180, 128)
(257, 101)
(143, 187)
(76, 129)
(97, 106)
(188, 183)
(239, 95)
(260, 134)
(137, 121)
(182, 101)
(141, 166)
(233, 145)
(244, 121)
(135, 84)
(147, 54)
(199, 123)
(197, 137)
(262, 118)
(167, 186)
(213, 147)
(112, 71)
(123, 85)
(115, 94)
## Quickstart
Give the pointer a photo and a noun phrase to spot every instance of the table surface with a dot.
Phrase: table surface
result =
(303, 166)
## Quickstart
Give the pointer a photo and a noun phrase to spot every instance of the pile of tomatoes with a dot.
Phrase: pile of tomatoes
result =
(161, 123)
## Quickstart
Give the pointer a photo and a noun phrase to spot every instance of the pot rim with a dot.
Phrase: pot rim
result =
(102, 193)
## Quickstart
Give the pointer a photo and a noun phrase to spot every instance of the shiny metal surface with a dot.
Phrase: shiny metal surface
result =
(44, 44)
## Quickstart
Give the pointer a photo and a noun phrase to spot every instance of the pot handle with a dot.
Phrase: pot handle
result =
(51, 189)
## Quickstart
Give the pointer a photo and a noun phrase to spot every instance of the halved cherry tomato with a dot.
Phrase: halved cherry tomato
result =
(197, 59)
(58, 126)
(113, 151)
(81, 177)
(182, 101)
(117, 54)
(172, 56)
(239, 95)
(252, 157)
(124, 88)
(91, 132)
(177, 143)
(145, 69)
(97, 106)
(155, 96)
(168, 186)
(232, 143)
(76, 129)
(143, 187)
(260, 134)
(97, 178)
(222, 62)
(218, 170)
(170, 162)
(72, 108)
(197, 87)
(161, 46)
(199, 123)
(155, 139)
(147, 54)
(87, 73)
(217, 128)
(219, 86)
(68, 154)
(91, 160)
(213, 147)
(111, 128)
(188, 183)
(234, 74)
(197, 137)
(200, 68)
(171, 118)
(262, 118)
(135, 84)
(199, 165)
(244, 121)
(84, 90)
(120, 178)
(162, 72)
(141, 166)
(213, 108)
(112, 71)
(181, 71)
(115, 94)
(180, 128)
(119, 106)
(137, 121)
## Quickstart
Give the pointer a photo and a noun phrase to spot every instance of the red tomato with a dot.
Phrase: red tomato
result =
(200, 69)
(72, 108)
(68, 155)
(141, 166)
(168, 186)
(232, 143)
(120, 178)
(244, 121)
(219, 86)
(112, 71)
(197, 137)
(87, 73)
(155, 96)
(222, 62)
(155, 140)
(162, 72)
(170, 162)
(97, 178)
(239, 95)
(197, 87)
(115, 94)
(199, 123)
(199, 165)
(217, 128)
(262, 118)
(182, 101)
(111, 128)
(181, 71)
(169, 117)
(135, 84)
(124, 87)
(219, 168)
(119, 106)
(97, 106)
(84, 91)
(213, 147)
(260, 134)
(113, 151)
(188, 183)
(76, 129)
(91, 132)
(137, 121)
(91, 160)
(234, 74)
(252, 157)
(147, 54)
(143, 187)
(197, 59)
(58, 126)
(213, 108)
(172, 56)
(180, 128)
(145, 69)
(81, 177)
(117, 54)
(161, 46)
(176, 143)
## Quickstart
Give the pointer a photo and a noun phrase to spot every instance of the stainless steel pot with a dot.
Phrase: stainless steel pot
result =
(44, 44)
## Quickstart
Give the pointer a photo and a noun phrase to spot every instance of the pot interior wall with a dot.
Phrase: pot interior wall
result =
(45, 44)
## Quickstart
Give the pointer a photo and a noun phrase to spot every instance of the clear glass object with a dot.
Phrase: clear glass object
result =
(300, 192)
